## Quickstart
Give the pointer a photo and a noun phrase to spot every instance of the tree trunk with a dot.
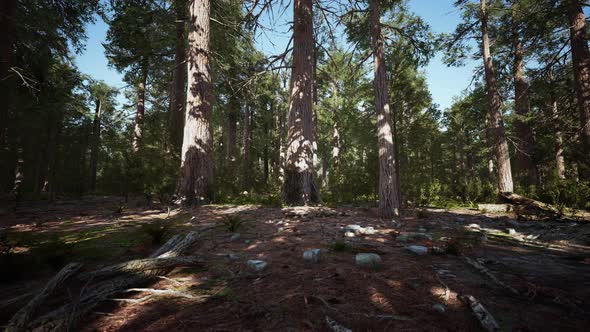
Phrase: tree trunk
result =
(232, 129)
(389, 200)
(581, 64)
(138, 129)
(525, 146)
(505, 184)
(94, 148)
(197, 145)
(19, 175)
(7, 36)
(178, 97)
(299, 187)
(559, 158)
(246, 143)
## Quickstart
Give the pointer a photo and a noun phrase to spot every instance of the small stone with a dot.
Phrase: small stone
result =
(349, 234)
(193, 218)
(367, 231)
(439, 308)
(409, 236)
(368, 260)
(473, 226)
(422, 230)
(512, 231)
(418, 250)
(280, 229)
(352, 228)
(256, 265)
(312, 256)
(235, 237)
(246, 241)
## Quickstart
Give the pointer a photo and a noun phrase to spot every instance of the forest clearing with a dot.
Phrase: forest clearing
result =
(540, 268)
(305, 165)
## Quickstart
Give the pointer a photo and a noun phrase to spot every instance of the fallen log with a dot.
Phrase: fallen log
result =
(486, 319)
(19, 321)
(531, 204)
(143, 266)
(133, 275)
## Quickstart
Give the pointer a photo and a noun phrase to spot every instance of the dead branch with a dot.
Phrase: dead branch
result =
(486, 319)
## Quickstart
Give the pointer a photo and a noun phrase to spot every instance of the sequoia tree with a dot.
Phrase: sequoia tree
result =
(197, 144)
(299, 186)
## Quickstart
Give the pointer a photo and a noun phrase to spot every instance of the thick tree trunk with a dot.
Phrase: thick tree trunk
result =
(505, 184)
(525, 146)
(246, 144)
(177, 102)
(389, 200)
(94, 148)
(299, 187)
(139, 114)
(581, 64)
(7, 37)
(197, 145)
(559, 158)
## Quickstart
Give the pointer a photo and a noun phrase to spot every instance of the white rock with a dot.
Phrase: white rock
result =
(256, 265)
(418, 250)
(367, 231)
(280, 229)
(512, 231)
(349, 234)
(409, 236)
(235, 237)
(474, 226)
(352, 228)
(368, 260)
(233, 257)
(312, 256)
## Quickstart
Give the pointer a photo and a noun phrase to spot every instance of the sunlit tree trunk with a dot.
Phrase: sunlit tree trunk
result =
(299, 186)
(246, 145)
(525, 146)
(197, 144)
(95, 146)
(505, 184)
(559, 158)
(581, 64)
(177, 102)
(389, 200)
(140, 112)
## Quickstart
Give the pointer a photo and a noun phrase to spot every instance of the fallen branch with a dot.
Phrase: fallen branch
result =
(482, 269)
(155, 293)
(531, 204)
(143, 266)
(335, 326)
(23, 316)
(486, 319)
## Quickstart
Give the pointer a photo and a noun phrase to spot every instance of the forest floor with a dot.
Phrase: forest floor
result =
(530, 275)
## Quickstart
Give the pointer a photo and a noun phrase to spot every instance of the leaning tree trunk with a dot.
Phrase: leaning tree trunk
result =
(505, 184)
(7, 36)
(525, 146)
(197, 145)
(178, 98)
(140, 112)
(389, 200)
(95, 145)
(581, 64)
(559, 158)
(299, 187)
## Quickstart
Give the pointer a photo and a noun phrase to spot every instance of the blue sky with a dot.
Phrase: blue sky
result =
(444, 83)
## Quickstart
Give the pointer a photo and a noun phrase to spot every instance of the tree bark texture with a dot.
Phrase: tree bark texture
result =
(94, 148)
(581, 68)
(389, 200)
(505, 184)
(140, 112)
(299, 186)
(246, 145)
(559, 158)
(233, 113)
(197, 144)
(7, 37)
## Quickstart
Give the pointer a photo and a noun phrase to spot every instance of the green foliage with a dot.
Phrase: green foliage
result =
(233, 223)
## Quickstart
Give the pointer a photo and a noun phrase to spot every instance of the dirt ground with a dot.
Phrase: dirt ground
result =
(531, 276)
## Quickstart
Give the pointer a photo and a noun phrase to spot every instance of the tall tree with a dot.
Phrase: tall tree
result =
(389, 200)
(299, 186)
(581, 69)
(177, 100)
(525, 144)
(197, 145)
(505, 184)
(8, 28)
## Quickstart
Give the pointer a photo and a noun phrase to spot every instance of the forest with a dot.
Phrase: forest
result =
(278, 165)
